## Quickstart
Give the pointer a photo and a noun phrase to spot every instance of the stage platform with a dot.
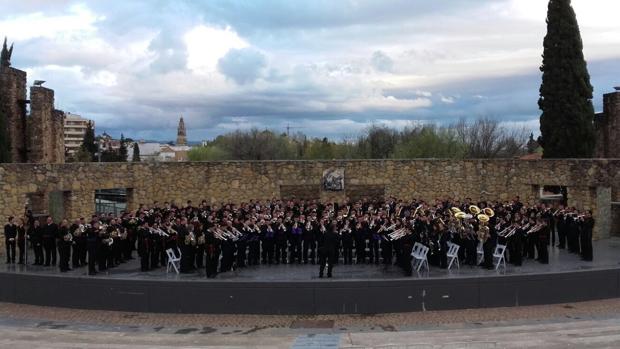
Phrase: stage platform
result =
(296, 289)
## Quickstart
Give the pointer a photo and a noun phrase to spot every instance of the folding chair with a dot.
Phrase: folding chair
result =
(499, 255)
(173, 260)
(453, 255)
(419, 253)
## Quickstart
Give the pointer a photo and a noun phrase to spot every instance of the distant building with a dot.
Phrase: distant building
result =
(75, 129)
(607, 127)
(107, 143)
(181, 133)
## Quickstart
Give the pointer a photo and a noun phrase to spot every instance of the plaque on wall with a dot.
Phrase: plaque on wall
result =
(333, 179)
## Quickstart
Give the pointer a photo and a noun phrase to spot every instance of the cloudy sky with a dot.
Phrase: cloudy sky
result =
(326, 67)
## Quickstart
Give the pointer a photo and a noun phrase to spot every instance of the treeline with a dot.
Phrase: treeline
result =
(484, 138)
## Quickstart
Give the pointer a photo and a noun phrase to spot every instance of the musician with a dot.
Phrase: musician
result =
(185, 244)
(156, 246)
(228, 249)
(281, 234)
(50, 233)
(295, 238)
(21, 240)
(74, 229)
(199, 252)
(144, 242)
(386, 244)
(328, 249)
(212, 251)
(309, 240)
(375, 240)
(254, 236)
(241, 243)
(346, 237)
(587, 226)
(64, 246)
(103, 247)
(268, 243)
(488, 245)
(92, 245)
(10, 235)
(35, 235)
(542, 235)
(560, 222)
(360, 233)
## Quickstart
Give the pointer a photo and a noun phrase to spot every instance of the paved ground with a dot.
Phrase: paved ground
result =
(578, 325)
(606, 255)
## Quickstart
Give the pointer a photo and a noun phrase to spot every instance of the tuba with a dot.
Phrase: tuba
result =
(475, 210)
(483, 233)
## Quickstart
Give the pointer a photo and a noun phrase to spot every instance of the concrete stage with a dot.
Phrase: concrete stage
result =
(296, 289)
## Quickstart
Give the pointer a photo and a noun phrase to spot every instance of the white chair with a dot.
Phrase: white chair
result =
(173, 260)
(498, 254)
(453, 255)
(419, 253)
(480, 252)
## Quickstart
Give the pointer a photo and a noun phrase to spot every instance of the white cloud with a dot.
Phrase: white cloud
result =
(206, 45)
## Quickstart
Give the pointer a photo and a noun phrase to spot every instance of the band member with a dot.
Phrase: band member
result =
(10, 237)
(543, 240)
(295, 241)
(281, 233)
(21, 240)
(212, 250)
(587, 226)
(309, 241)
(346, 236)
(268, 243)
(360, 233)
(144, 248)
(254, 235)
(92, 245)
(199, 251)
(50, 233)
(35, 235)
(64, 246)
(328, 249)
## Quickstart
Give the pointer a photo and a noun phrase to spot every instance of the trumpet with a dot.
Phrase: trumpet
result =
(398, 234)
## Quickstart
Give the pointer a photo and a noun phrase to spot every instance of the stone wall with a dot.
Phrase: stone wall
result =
(591, 183)
(46, 141)
(13, 106)
(607, 126)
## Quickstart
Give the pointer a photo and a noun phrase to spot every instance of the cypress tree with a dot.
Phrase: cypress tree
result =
(122, 151)
(566, 123)
(89, 145)
(136, 152)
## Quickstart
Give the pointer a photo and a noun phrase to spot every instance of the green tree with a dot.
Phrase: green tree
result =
(88, 144)
(566, 123)
(136, 153)
(5, 154)
(122, 151)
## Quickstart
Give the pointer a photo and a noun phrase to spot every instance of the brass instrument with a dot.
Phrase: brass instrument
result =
(489, 212)
(483, 217)
(483, 233)
(201, 240)
(398, 234)
(475, 210)
(68, 237)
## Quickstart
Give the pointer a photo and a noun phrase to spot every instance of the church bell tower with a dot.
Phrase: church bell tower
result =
(181, 133)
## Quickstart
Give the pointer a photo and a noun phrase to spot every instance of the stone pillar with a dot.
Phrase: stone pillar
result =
(611, 102)
(41, 125)
(602, 213)
(13, 101)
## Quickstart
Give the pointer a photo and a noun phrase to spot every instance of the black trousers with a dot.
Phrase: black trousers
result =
(199, 256)
(281, 252)
(254, 254)
(374, 251)
(326, 259)
(295, 251)
(49, 245)
(38, 253)
(92, 259)
(21, 246)
(268, 250)
(347, 252)
(64, 251)
(241, 253)
(10, 251)
(309, 251)
(212, 260)
(360, 250)
(145, 259)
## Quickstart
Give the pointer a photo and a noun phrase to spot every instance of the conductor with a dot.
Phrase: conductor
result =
(328, 250)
